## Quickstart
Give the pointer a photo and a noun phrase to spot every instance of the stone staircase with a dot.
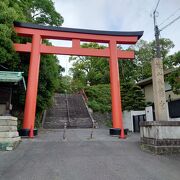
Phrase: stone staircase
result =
(70, 109)
(57, 115)
(78, 114)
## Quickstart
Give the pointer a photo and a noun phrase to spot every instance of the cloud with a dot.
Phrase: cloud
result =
(120, 15)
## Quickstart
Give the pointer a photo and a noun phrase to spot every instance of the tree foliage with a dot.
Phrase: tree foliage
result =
(40, 12)
(92, 70)
(95, 70)
(145, 52)
(35, 11)
(132, 97)
(99, 97)
(8, 14)
(174, 77)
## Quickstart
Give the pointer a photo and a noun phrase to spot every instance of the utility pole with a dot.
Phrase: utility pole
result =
(157, 33)
(161, 110)
(157, 30)
(155, 134)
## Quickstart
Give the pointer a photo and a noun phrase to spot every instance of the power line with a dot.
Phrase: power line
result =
(170, 23)
(157, 30)
(173, 14)
(155, 13)
(157, 6)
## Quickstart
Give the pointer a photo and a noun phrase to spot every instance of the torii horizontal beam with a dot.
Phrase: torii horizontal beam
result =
(76, 36)
(76, 51)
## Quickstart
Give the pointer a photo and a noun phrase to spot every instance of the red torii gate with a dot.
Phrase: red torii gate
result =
(36, 48)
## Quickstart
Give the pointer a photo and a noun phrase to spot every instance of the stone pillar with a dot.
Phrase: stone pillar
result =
(161, 109)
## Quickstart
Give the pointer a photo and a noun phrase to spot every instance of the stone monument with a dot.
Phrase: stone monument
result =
(160, 136)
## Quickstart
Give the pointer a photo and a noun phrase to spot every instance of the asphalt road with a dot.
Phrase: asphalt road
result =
(48, 157)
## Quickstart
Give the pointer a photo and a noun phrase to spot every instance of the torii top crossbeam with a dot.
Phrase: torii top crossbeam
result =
(76, 36)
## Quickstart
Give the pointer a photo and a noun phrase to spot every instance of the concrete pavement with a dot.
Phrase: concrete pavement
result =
(48, 157)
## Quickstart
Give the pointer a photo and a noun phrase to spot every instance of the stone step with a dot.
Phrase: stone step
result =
(56, 122)
(8, 144)
(4, 122)
(12, 139)
(12, 118)
(8, 134)
(57, 115)
(81, 122)
(57, 108)
(56, 119)
(53, 126)
(8, 128)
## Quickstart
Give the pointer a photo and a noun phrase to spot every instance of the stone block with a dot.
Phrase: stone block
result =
(4, 122)
(160, 137)
(8, 118)
(8, 146)
(14, 139)
(8, 134)
(8, 128)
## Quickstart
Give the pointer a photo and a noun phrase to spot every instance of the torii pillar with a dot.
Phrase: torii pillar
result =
(115, 92)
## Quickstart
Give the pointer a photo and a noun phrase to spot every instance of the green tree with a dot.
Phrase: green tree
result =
(92, 70)
(145, 52)
(8, 14)
(65, 84)
(132, 97)
(36, 11)
(127, 70)
(95, 70)
(40, 11)
(174, 77)
(99, 97)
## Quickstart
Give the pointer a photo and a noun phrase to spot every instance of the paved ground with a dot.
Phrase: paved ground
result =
(47, 157)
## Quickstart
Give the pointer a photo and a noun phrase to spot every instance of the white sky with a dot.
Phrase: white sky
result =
(119, 15)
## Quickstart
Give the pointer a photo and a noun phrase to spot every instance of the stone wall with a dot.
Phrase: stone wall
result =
(102, 119)
(160, 137)
(105, 119)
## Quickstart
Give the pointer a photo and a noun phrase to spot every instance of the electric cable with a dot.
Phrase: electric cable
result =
(173, 14)
(156, 13)
(157, 6)
(173, 21)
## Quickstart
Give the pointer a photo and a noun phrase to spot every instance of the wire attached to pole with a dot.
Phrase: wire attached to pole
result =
(157, 5)
(173, 21)
(173, 14)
